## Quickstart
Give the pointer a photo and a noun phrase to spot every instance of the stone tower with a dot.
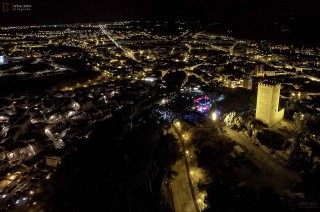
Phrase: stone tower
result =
(267, 109)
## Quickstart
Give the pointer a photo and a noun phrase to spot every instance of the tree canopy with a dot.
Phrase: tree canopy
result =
(115, 174)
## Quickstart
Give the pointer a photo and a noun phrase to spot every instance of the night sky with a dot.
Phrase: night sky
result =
(69, 11)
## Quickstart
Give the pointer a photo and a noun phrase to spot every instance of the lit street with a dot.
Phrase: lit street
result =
(182, 196)
(181, 191)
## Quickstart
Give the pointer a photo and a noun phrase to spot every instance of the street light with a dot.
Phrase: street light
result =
(214, 116)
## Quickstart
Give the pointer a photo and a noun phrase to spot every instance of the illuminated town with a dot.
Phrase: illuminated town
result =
(125, 116)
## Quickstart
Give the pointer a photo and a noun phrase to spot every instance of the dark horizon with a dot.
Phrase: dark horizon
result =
(246, 18)
(235, 12)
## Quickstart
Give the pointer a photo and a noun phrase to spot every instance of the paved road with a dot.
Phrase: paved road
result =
(181, 191)
(280, 177)
(182, 197)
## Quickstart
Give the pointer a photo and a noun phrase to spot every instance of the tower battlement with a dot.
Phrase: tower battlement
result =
(269, 83)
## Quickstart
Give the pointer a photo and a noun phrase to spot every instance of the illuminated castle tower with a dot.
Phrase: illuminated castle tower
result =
(268, 103)
(247, 81)
(259, 70)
